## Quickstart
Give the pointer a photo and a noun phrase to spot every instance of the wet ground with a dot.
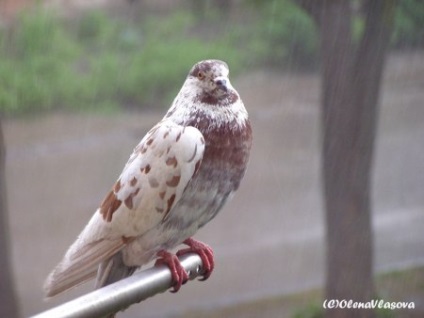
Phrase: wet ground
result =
(270, 239)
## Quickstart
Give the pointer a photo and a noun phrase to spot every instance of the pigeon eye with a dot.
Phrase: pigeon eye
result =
(200, 75)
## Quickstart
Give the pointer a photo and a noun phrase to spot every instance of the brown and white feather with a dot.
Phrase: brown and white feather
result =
(151, 183)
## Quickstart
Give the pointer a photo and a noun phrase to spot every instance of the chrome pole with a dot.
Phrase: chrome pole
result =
(122, 294)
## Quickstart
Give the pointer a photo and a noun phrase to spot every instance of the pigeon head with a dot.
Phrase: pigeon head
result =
(209, 79)
(207, 99)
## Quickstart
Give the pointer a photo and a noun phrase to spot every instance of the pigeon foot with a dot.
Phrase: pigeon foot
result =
(204, 251)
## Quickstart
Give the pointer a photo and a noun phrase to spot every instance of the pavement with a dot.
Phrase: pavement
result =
(269, 240)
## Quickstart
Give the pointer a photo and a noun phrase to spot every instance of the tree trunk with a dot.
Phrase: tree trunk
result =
(350, 89)
(8, 302)
(346, 167)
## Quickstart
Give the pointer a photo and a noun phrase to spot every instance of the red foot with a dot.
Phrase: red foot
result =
(179, 275)
(204, 251)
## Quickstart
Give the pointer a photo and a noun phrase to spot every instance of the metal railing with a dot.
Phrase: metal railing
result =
(122, 294)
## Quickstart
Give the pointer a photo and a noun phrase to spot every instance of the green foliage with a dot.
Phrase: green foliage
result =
(288, 34)
(102, 63)
(99, 63)
(33, 60)
(312, 310)
(385, 313)
(408, 27)
(165, 58)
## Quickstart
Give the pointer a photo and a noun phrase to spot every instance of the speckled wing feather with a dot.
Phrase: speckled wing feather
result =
(150, 185)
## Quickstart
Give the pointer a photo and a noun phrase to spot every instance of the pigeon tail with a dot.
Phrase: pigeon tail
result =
(111, 271)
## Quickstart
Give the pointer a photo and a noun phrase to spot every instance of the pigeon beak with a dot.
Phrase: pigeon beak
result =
(221, 83)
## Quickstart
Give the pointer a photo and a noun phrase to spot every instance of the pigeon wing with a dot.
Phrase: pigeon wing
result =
(150, 185)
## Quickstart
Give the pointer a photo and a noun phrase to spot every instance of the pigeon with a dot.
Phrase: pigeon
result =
(176, 180)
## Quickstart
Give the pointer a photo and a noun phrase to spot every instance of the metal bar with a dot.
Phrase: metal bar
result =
(122, 294)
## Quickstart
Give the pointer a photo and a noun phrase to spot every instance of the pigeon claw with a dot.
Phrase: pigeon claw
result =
(204, 251)
(179, 275)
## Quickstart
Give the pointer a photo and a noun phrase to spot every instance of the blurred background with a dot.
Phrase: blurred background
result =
(81, 82)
